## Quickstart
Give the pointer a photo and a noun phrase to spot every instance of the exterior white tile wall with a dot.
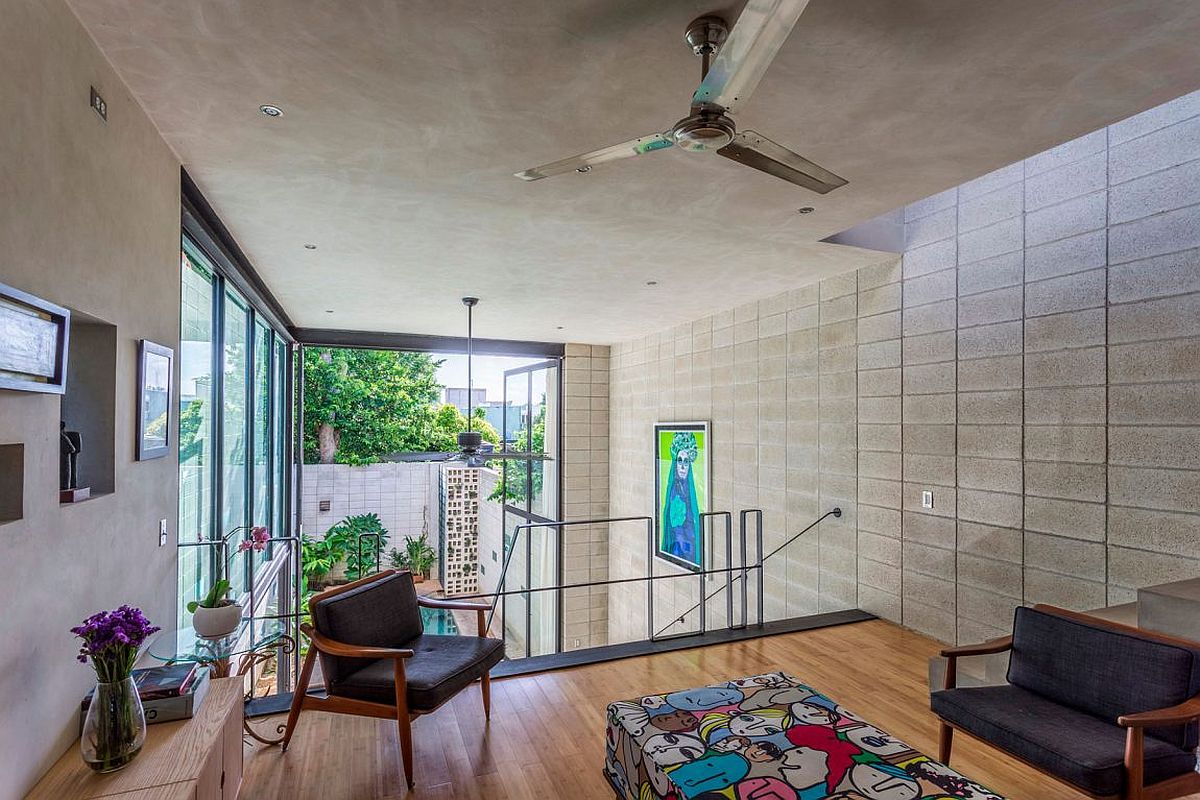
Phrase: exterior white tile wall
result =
(403, 494)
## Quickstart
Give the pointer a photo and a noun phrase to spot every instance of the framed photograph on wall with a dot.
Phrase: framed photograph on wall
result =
(33, 343)
(681, 492)
(155, 369)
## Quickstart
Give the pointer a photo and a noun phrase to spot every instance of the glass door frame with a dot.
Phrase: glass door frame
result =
(526, 515)
(280, 378)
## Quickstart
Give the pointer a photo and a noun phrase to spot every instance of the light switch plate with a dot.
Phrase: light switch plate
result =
(162, 533)
(926, 499)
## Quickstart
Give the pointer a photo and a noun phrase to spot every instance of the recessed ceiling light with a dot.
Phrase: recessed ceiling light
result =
(584, 169)
(805, 210)
(652, 283)
(560, 327)
(310, 247)
(270, 110)
(329, 311)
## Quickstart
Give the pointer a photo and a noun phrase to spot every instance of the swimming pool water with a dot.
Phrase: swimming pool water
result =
(438, 621)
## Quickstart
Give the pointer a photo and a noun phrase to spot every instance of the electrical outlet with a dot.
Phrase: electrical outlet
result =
(577, 643)
(162, 533)
(926, 499)
(98, 105)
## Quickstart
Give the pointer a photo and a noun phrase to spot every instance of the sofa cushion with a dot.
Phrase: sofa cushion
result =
(1070, 744)
(441, 667)
(1102, 671)
(383, 613)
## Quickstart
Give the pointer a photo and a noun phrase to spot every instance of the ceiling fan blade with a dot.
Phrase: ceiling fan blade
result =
(584, 163)
(761, 29)
(755, 150)
(514, 456)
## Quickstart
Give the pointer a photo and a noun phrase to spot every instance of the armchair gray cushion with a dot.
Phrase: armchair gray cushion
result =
(1074, 745)
(1103, 672)
(440, 668)
(383, 613)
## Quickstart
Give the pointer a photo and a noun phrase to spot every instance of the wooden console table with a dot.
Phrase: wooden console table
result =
(195, 759)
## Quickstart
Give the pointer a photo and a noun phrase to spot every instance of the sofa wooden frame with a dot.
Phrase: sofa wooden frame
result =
(398, 711)
(1135, 724)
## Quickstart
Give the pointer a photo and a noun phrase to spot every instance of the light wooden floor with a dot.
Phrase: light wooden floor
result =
(546, 737)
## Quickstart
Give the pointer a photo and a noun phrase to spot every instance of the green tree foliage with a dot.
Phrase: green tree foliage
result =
(360, 405)
(511, 488)
(363, 405)
(191, 444)
(448, 422)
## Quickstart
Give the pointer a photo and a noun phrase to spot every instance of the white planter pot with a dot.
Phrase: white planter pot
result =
(213, 623)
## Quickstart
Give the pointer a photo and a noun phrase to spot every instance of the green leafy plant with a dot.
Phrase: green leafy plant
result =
(511, 488)
(216, 597)
(362, 554)
(417, 555)
(319, 557)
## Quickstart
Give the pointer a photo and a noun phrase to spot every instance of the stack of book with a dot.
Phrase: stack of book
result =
(168, 693)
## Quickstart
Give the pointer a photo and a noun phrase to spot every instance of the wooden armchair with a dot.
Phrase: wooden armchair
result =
(379, 662)
(1072, 671)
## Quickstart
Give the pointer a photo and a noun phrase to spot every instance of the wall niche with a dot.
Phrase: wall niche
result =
(12, 482)
(89, 405)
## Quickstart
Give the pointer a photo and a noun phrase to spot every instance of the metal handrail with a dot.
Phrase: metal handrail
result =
(558, 526)
(742, 570)
(835, 512)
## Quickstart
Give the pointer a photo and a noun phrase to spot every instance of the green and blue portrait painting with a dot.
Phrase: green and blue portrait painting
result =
(681, 489)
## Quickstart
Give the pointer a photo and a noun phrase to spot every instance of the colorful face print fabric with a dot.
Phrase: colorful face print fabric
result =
(768, 737)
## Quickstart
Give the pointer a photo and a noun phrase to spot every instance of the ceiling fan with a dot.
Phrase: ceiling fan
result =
(472, 450)
(742, 55)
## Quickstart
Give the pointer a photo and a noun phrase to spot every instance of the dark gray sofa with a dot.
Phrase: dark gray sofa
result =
(1107, 708)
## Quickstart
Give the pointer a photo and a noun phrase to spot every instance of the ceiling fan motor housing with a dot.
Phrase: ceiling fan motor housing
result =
(704, 130)
(470, 441)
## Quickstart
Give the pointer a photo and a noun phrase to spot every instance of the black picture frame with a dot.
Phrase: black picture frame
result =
(34, 337)
(156, 375)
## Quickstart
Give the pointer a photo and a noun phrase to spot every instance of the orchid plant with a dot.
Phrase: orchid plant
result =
(217, 595)
(111, 640)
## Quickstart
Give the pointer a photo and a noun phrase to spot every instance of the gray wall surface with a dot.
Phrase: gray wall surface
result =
(1033, 360)
(89, 219)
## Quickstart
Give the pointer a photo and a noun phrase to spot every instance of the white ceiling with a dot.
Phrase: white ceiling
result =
(405, 119)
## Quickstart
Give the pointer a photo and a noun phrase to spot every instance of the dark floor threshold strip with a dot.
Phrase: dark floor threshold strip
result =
(613, 652)
(279, 703)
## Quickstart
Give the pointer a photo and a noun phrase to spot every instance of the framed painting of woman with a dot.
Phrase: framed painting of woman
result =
(681, 490)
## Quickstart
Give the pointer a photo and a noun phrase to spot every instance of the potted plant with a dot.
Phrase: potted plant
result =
(417, 556)
(115, 726)
(215, 615)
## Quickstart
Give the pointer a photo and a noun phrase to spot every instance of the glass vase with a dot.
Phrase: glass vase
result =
(114, 728)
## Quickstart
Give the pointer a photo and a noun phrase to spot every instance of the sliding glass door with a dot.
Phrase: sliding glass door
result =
(234, 433)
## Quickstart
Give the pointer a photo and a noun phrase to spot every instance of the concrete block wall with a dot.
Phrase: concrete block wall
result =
(762, 374)
(1033, 360)
(585, 490)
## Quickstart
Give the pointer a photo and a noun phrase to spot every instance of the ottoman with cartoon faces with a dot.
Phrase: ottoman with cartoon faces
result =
(767, 737)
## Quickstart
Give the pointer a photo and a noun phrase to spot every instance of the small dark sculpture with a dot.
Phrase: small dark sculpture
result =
(70, 445)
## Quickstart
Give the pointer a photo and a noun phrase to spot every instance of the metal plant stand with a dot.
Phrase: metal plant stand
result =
(253, 643)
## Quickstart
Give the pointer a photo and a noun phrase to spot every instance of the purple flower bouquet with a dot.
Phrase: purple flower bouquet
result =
(115, 727)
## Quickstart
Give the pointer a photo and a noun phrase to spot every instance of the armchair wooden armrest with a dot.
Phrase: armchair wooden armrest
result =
(335, 648)
(1187, 711)
(459, 605)
(983, 649)
(952, 654)
(1135, 740)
